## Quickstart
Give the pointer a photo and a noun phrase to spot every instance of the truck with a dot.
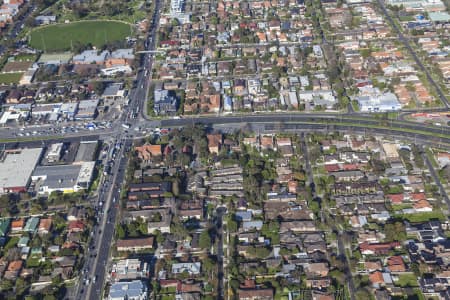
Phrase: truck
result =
(111, 151)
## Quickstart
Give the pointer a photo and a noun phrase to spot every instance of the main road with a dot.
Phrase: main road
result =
(111, 198)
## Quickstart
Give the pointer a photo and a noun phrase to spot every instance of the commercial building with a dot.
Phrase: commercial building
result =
(111, 71)
(379, 103)
(439, 17)
(177, 11)
(87, 109)
(69, 109)
(54, 153)
(42, 110)
(86, 152)
(91, 57)
(165, 102)
(63, 178)
(16, 167)
(129, 269)
(134, 290)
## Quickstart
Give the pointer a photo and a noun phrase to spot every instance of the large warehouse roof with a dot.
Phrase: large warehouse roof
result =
(59, 176)
(16, 167)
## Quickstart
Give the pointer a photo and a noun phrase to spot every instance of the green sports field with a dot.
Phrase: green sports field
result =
(63, 36)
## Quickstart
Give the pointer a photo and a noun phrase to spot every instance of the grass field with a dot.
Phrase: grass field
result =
(424, 216)
(9, 78)
(407, 280)
(61, 37)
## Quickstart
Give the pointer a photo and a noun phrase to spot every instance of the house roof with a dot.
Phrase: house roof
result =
(378, 247)
(147, 151)
(31, 224)
(214, 140)
(376, 277)
(396, 198)
(372, 265)
(254, 293)
(266, 141)
(422, 204)
(140, 242)
(45, 224)
(15, 265)
(76, 225)
(418, 196)
(396, 264)
(17, 223)
(317, 267)
(332, 167)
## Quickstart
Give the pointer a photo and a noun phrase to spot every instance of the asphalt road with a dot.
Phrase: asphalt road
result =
(220, 270)
(110, 195)
(293, 118)
(436, 178)
(103, 237)
(347, 270)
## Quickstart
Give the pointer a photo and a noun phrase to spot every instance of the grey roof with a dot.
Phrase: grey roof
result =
(244, 215)
(252, 224)
(58, 177)
(46, 18)
(123, 53)
(386, 101)
(90, 56)
(439, 16)
(86, 151)
(127, 290)
(112, 90)
(87, 108)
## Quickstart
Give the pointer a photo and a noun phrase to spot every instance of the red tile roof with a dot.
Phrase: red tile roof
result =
(332, 168)
(396, 198)
(418, 196)
(376, 277)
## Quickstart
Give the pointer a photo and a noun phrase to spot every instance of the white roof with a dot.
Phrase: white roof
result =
(69, 107)
(9, 115)
(16, 167)
(87, 168)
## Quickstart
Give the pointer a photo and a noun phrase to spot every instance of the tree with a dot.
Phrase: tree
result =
(232, 225)
(395, 232)
(205, 240)
(132, 229)
(176, 187)
(99, 87)
(365, 53)
(178, 230)
(120, 233)
(21, 286)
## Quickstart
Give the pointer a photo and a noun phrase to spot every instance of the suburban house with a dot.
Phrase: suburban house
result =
(214, 142)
